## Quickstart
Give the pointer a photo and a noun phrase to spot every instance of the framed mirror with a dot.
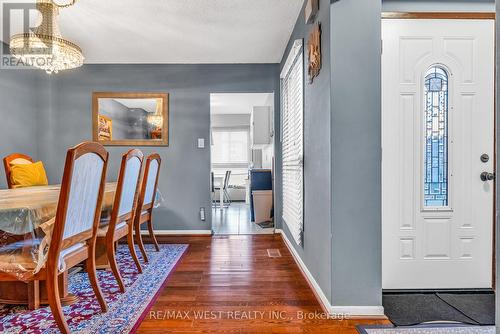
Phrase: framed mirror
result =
(130, 119)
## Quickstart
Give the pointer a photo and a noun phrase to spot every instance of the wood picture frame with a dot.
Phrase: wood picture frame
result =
(158, 136)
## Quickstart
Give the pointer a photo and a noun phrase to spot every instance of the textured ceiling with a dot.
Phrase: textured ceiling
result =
(180, 31)
(238, 103)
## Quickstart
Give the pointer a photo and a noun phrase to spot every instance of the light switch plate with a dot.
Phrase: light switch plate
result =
(201, 142)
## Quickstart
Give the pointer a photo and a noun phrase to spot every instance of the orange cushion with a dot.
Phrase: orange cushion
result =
(28, 175)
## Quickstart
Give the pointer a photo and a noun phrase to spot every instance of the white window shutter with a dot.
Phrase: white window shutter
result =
(292, 118)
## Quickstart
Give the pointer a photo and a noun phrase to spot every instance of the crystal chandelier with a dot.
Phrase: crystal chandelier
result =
(44, 47)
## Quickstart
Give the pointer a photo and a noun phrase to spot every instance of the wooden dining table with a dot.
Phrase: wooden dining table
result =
(34, 206)
(23, 212)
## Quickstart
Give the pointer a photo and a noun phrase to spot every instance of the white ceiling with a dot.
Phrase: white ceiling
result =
(238, 103)
(180, 31)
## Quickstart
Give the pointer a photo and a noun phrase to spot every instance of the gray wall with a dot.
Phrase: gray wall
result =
(315, 251)
(185, 173)
(438, 5)
(342, 139)
(356, 153)
(21, 99)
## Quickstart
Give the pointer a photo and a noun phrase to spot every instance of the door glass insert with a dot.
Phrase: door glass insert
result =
(436, 138)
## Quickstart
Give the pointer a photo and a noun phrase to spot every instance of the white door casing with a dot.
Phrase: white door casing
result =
(448, 246)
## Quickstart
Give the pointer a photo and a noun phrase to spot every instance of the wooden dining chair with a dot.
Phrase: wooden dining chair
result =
(74, 232)
(121, 222)
(224, 187)
(212, 190)
(14, 158)
(146, 202)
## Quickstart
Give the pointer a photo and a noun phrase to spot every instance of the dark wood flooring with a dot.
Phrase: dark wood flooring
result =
(229, 284)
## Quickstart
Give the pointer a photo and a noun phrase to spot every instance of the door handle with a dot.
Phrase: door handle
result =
(485, 176)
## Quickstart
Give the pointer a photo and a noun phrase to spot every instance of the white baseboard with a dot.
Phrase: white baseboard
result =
(179, 232)
(359, 311)
(352, 311)
(323, 300)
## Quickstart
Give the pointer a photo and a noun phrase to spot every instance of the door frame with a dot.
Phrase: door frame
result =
(388, 15)
(439, 15)
(276, 123)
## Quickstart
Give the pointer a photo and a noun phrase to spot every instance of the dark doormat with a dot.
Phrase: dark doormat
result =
(480, 307)
(414, 309)
(267, 224)
(426, 329)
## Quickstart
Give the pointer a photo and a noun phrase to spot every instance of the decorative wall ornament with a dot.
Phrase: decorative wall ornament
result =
(310, 10)
(314, 51)
(105, 128)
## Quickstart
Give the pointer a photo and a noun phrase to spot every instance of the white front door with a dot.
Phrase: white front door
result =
(437, 139)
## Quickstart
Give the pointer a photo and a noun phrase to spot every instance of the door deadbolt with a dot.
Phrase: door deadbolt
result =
(485, 158)
(485, 176)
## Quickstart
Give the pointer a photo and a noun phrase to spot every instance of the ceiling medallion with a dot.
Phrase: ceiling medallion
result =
(44, 47)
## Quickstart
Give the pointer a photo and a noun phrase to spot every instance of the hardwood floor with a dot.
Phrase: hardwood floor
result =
(229, 284)
(236, 220)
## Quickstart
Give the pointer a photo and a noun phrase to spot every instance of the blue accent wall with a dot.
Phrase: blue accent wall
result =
(342, 155)
(356, 153)
(315, 251)
(22, 96)
(47, 115)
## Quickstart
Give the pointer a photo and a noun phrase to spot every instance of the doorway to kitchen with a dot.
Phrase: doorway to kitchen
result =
(242, 160)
